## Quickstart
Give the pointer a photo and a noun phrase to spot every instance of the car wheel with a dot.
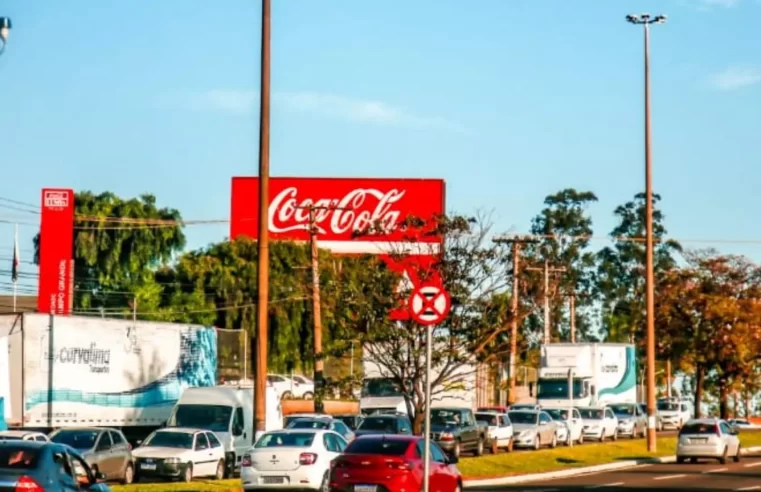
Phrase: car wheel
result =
(188, 475)
(723, 459)
(615, 436)
(510, 445)
(680, 459)
(554, 442)
(456, 451)
(458, 487)
(581, 437)
(494, 448)
(602, 436)
(308, 395)
(537, 442)
(129, 475)
(325, 485)
(737, 456)
(286, 395)
(568, 439)
(479, 447)
(220, 474)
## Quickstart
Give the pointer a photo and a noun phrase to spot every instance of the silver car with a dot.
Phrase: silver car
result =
(631, 421)
(533, 429)
(707, 438)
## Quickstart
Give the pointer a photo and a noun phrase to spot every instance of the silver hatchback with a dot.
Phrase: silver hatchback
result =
(707, 438)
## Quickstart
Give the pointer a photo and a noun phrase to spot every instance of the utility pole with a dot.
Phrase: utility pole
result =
(263, 245)
(319, 382)
(572, 314)
(514, 298)
(645, 20)
(547, 270)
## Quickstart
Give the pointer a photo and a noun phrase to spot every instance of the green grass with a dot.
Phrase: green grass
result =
(525, 462)
(490, 466)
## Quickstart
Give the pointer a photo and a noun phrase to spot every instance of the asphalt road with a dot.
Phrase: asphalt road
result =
(704, 476)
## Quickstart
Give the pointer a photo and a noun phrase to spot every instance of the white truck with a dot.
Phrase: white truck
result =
(70, 371)
(228, 412)
(603, 373)
(380, 392)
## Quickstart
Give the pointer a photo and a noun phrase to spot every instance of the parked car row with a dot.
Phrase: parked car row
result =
(293, 386)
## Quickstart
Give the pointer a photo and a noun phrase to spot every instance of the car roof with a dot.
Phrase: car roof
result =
(181, 430)
(88, 429)
(315, 418)
(387, 437)
(300, 431)
(19, 433)
(525, 411)
(704, 420)
(26, 444)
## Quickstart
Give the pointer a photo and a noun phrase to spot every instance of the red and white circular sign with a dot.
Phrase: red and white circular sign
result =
(430, 304)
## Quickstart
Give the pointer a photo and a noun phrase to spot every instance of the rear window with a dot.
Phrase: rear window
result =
(285, 439)
(379, 424)
(386, 447)
(700, 429)
(18, 458)
(309, 424)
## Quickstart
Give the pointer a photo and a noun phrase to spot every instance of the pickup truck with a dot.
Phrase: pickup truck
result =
(500, 429)
(456, 431)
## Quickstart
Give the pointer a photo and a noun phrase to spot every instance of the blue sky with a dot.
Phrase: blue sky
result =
(508, 100)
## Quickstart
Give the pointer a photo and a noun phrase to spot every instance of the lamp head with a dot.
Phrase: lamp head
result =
(5, 28)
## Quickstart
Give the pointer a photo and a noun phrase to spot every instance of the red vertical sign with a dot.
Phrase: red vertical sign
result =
(56, 240)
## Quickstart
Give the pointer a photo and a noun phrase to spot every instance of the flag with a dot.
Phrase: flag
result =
(14, 269)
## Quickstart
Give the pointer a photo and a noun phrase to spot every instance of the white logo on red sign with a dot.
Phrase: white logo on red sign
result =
(56, 199)
(359, 209)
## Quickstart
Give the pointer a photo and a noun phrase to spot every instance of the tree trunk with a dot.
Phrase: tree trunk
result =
(700, 380)
(723, 399)
(746, 398)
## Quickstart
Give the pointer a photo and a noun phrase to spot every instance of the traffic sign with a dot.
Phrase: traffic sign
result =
(429, 304)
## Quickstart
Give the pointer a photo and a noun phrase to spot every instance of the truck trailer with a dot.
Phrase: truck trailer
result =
(601, 373)
(71, 371)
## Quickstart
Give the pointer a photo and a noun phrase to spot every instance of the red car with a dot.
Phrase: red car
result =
(392, 463)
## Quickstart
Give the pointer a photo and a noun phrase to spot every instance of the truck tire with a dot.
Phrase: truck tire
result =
(494, 448)
(479, 447)
(510, 445)
(457, 450)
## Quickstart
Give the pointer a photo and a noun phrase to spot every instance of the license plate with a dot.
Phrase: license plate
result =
(699, 441)
(365, 488)
(272, 480)
(147, 466)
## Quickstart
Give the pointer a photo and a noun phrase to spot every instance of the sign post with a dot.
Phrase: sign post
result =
(429, 305)
(570, 407)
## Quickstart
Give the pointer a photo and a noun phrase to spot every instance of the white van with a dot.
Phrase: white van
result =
(228, 412)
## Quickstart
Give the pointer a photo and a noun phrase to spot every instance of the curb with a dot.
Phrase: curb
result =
(573, 472)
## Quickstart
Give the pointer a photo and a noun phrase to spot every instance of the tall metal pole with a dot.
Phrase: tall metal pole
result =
(262, 305)
(427, 429)
(572, 315)
(645, 20)
(511, 397)
(546, 301)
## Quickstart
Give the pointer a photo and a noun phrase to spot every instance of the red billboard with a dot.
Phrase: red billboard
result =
(347, 208)
(56, 239)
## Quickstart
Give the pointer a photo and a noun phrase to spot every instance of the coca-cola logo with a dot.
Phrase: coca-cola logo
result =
(358, 210)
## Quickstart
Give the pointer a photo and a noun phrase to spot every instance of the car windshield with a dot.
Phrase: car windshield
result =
(557, 389)
(10, 438)
(441, 416)
(386, 447)
(489, 418)
(387, 424)
(301, 380)
(380, 387)
(623, 409)
(168, 439)
(285, 439)
(557, 413)
(309, 424)
(215, 418)
(668, 406)
(523, 417)
(350, 421)
(698, 428)
(77, 439)
(18, 458)
(591, 413)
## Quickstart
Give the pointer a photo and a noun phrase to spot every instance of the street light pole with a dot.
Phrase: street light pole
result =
(645, 20)
(262, 305)
(5, 30)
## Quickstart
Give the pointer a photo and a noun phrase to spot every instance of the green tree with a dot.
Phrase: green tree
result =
(620, 279)
(118, 244)
(564, 229)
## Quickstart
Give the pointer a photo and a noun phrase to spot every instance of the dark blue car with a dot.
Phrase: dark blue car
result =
(45, 467)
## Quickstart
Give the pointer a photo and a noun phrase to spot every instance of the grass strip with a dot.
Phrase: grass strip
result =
(547, 460)
(232, 485)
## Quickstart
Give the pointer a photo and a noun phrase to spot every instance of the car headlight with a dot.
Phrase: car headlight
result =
(594, 428)
(525, 434)
(172, 461)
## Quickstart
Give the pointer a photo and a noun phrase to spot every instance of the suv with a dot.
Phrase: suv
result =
(707, 438)
(500, 429)
(456, 430)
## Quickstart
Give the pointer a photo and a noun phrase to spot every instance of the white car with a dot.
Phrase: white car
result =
(500, 429)
(285, 458)
(569, 429)
(180, 452)
(20, 435)
(673, 413)
(282, 384)
(303, 387)
(599, 423)
(707, 438)
(737, 423)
